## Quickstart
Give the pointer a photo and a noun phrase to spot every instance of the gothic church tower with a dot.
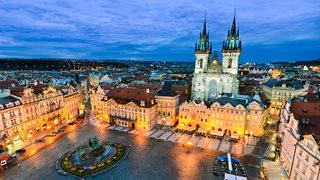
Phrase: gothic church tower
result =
(202, 50)
(231, 50)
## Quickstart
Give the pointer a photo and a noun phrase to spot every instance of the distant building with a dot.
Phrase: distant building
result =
(212, 79)
(277, 90)
(299, 134)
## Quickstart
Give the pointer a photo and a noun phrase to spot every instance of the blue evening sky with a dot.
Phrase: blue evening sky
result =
(270, 30)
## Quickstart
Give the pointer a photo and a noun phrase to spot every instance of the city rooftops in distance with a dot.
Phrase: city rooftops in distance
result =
(295, 84)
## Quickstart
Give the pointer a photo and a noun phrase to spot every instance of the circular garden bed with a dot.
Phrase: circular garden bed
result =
(93, 166)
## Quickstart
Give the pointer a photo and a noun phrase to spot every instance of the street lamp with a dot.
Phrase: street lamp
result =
(189, 143)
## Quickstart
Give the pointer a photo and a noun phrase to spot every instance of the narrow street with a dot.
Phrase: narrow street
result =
(253, 160)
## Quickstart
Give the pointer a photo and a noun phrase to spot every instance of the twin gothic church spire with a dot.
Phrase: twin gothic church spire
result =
(203, 45)
(233, 41)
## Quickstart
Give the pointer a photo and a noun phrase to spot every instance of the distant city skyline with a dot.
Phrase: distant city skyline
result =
(157, 30)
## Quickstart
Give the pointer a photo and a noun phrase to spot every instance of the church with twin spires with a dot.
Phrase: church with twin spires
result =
(213, 79)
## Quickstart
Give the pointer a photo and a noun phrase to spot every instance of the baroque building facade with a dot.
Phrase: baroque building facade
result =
(241, 115)
(26, 112)
(278, 90)
(299, 134)
(213, 79)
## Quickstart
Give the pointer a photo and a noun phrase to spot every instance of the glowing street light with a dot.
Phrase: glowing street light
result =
(189, 143)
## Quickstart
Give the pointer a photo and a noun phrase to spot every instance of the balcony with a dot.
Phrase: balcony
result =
(52, 110)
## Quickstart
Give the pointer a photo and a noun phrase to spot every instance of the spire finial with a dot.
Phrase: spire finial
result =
(204, 31)
(233, 28)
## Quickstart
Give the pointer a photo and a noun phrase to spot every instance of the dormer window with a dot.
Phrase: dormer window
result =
(142, 103)
(152, 102)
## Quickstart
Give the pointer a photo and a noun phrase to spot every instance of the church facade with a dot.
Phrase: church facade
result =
(213, 79)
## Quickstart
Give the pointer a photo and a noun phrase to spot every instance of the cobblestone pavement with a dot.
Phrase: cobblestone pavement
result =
(245, 146)
(166, 156)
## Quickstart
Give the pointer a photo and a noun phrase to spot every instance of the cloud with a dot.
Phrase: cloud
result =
(153, 29)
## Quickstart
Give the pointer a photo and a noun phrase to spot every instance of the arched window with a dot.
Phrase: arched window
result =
(201, 63)
(229, 63)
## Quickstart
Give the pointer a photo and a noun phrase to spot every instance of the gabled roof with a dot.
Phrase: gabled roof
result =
(288, 83)
(9, 84)
(136, 95)
(167, 90)
(9, 99)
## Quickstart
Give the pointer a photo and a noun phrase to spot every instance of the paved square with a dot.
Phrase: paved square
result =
(203, 142)
(184, 138)
(174, 137)
(165, 135)
(157, 133)
(148, 133)
(248, 149)
(225, 146)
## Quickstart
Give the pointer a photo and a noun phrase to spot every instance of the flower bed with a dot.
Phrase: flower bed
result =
(67, 166)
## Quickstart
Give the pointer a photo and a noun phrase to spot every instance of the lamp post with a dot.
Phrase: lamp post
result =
(189, 145)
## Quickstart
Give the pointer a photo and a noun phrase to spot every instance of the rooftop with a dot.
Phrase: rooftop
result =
(125, 95)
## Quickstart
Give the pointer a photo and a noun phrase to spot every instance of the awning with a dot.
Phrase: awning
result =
(202, 130)
(235, 136)
(217, 133)
(188, 128)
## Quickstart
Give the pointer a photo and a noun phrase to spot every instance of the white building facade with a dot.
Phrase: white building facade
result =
(211, 78)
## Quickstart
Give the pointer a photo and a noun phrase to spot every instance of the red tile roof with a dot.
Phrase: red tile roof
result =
(125, 95)
(307, 110)
(17, 91)
(9, 83)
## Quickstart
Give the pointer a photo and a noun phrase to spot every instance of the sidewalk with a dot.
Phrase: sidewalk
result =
(33, 148)
(23, 144)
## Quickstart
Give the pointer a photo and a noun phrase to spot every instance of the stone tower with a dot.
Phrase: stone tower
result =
(202, 50)
(231, 50)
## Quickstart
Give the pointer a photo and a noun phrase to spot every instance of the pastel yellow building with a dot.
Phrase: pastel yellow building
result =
(27, 112)
(242, 115)
(129, 107)
(167, 105)
(278, 90)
